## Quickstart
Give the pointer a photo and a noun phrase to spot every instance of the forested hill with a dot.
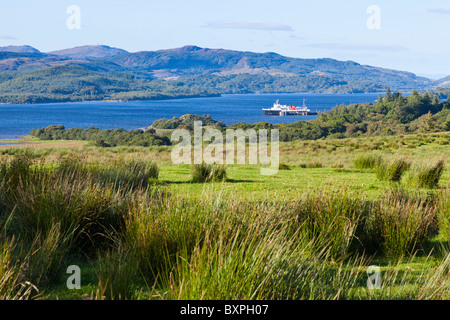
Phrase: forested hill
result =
(102, 72)
(72, 83)
(192, 60)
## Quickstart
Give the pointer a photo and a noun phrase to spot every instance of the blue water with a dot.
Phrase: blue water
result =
(11, 143)
(17, 120)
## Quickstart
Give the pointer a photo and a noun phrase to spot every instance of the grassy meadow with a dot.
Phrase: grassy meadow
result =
(139, 227)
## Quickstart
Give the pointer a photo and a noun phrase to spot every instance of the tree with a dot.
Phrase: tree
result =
(380, 98)
(436, 100)
(426, 98)
(429, 123)
(447, 126)
(388, 97)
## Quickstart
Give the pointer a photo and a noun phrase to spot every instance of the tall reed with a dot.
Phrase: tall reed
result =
(443, 213)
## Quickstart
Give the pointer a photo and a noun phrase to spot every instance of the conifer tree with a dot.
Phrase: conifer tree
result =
(388, 97)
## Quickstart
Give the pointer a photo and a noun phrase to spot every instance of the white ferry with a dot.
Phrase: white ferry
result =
(291, 110)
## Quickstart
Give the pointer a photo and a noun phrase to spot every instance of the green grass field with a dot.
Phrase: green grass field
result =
(308, 232)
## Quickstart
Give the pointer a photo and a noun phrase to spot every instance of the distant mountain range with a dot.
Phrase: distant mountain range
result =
(20, 49)
(88, 52)
(444, 82)
(214, 70)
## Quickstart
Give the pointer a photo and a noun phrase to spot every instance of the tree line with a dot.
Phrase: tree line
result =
(390, 115)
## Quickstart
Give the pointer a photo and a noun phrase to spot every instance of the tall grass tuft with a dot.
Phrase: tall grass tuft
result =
(284, 166)
(367, 161)
(314, 165)
(65, 210)
(257, 262)
(207, 173)
(443, 213)
(47, 255)
(122, 174)
(333, 217)
(129, 174)
(160, 227)
(428, 176)
(81, 209)
(117, 275)
(402, 224)
(393, 170)
(13, 285)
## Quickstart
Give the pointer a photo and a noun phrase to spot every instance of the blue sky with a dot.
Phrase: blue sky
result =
(413, 36)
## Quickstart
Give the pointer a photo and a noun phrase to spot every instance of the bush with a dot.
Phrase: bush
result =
(207, 173)
(101, 143)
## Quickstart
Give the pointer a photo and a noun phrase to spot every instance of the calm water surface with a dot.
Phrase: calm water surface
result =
(18, 119)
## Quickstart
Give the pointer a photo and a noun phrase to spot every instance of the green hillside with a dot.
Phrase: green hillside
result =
(78, 83)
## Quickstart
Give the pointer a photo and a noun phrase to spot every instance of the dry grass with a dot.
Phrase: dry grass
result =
(39, 145)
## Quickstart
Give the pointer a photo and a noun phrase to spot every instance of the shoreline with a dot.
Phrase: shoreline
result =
(200, 96)
(115, 100)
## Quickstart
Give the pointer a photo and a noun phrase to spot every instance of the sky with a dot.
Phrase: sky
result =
(408, 35)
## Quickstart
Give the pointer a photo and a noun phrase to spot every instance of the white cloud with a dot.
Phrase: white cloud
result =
(7, 37)
(353, 47)
(248, 25)
(439, 11)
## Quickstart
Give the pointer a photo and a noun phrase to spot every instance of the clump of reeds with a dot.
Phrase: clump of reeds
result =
(314, 165)
(13, 285)
(443, 213)
(117, 274)
(265, 263)
(428, 176)
(128, 174)
(402, 223)
(134, 173)
(334, 217)
(367, 161)
(68, 209)
(160, 227)
(208, 173)
(284, 166)
(392, 171)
